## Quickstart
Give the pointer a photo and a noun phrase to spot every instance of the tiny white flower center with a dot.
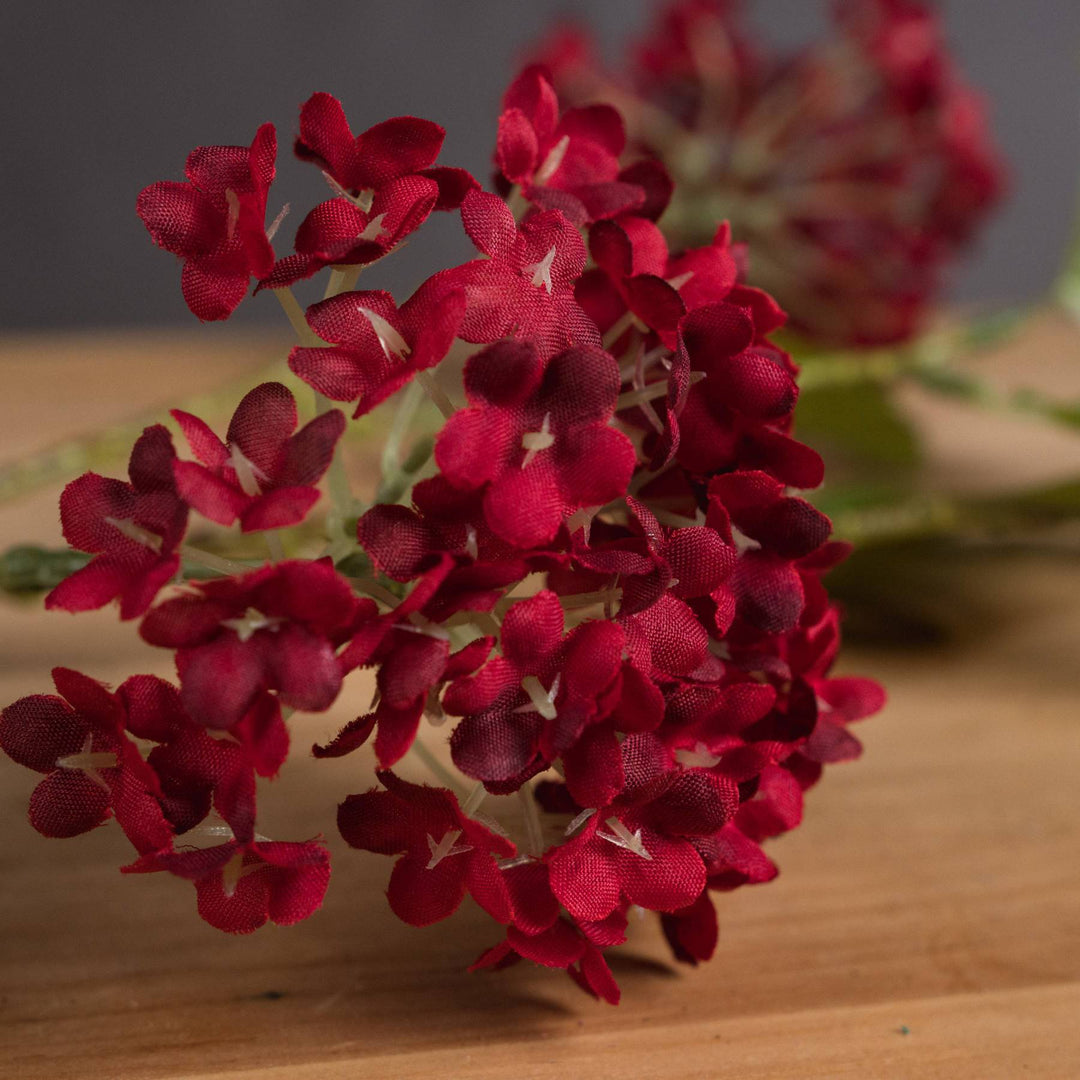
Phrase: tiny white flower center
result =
(540, 700)
(678, 282)
(444, 848)
(232, 200)
(552, 161)
(541, 271)
(472, 549)
(393, 344)
(579, 821)
(622, 837)
(89, 761)
(234, 870)
(373, 230)
(743, 542)
(252, 621)
(698, 758)
(248, 474)
(135, 532)
(534, 441)
(283, 213)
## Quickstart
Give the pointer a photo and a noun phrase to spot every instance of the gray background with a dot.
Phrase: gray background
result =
(104, 97)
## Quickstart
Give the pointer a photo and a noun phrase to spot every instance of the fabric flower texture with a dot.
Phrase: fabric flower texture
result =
(855, 168)
(265, 471)
(216, 222)
(586, 617)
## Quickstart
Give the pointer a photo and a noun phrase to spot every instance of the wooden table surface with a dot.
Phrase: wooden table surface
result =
(926, 922)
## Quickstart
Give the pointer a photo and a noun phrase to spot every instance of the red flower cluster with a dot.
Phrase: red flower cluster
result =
(854, 168)
(603, 577)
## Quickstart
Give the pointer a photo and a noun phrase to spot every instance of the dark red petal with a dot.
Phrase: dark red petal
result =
(584, 878)
(420, 896)
(692, 932)
(67, 803)
(212, 294)
(403, 144)
(36, 730)
(556, 947)
(278, 509)
(212, 496)
(516, 148)
(487, 885)
(261, 425)
(375, 821)
(489, 223)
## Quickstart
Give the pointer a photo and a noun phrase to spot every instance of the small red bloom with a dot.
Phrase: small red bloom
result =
(536, 437)
(378, 347)
(570, 164)
(216, 222)
(402, 146)
(529, 705)
(444, 853)
(266, 471)
(525, 287)
(134, 528)
(386, 184)
(241, 885)
(92, 769)
(275, 629)
(415, 662)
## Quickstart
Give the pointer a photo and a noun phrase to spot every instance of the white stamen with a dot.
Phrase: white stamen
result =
(622, 837)
(283, 213)
(582, 519)
(444, 848)
(233, 217)
(475, 798)
(89, 761)
(393, 344)
(373, 229)
(417, 624)
(517, 860)
(234, 870)
(698, 758)
(252, 621)
(541, 701)
(541, 271)
(678, 282)
(362, 199)
(134, 532)
(248, 474)
(579, 821)
(471, 547)
(535, 441)
(743, 542)
(552, 161)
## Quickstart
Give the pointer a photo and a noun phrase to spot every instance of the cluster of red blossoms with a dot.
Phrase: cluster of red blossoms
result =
(855, 167)
(603, 576)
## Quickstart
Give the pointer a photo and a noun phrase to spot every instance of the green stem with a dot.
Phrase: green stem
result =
(440, 771)
(436, 393)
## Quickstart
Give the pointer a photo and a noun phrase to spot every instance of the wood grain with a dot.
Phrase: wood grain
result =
(926, 922)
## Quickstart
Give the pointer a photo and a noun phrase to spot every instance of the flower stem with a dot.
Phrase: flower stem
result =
(440, 771)
(212, 561)
(273, 545)
(534, 836)
(436, 393)
(295, 314)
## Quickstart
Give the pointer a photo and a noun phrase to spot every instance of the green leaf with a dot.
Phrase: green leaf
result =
(30, 569)
(858, 427)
